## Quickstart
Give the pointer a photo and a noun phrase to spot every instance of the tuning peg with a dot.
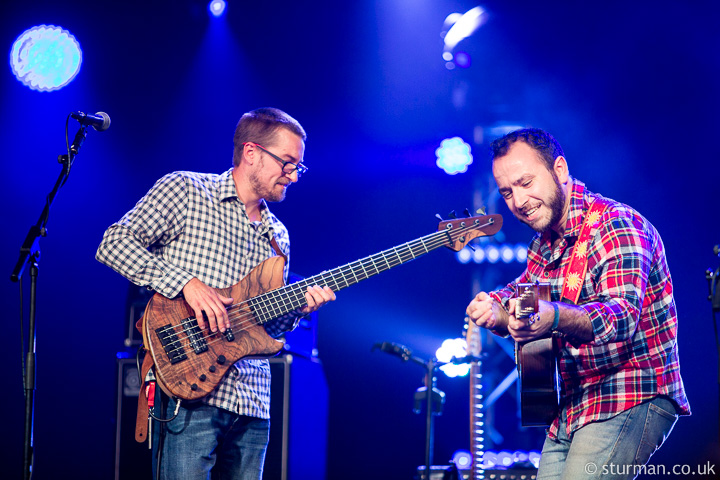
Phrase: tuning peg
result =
(437, 215)
(482, 210)
(467, 213)
(452, 214)
(470, 246)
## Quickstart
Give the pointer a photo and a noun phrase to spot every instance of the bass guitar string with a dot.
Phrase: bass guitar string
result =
(242, 319)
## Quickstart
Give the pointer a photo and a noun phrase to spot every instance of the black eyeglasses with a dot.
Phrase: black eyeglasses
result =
(287, 167)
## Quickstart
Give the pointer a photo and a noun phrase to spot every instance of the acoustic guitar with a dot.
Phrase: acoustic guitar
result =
(536, 363)
(190, 362)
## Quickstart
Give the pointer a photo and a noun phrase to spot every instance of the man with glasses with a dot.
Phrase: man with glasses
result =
(191, 234)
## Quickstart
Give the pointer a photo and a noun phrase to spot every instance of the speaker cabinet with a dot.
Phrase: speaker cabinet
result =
(298, 420)
(132, 459)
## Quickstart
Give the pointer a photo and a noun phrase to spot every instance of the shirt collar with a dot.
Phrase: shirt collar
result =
(226, 191)
(579, 203)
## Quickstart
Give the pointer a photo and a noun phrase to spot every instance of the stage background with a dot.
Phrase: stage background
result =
(630, 89)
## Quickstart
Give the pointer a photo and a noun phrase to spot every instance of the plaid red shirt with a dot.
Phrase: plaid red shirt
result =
(628, 294)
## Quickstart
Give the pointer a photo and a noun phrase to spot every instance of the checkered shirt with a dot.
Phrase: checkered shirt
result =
(194, 225)
(628, 294)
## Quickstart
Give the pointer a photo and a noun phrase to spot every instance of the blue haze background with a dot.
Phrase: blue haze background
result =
(630, 89)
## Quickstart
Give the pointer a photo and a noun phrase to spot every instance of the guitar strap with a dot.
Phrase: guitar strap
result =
(576, 269)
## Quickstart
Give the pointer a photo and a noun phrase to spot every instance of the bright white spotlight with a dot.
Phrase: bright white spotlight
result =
(217, 7)
(45, 58)
(464, 27)
(453, 347)
(453, 156)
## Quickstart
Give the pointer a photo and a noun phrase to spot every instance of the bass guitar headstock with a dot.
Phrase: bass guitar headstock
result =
(460, 231)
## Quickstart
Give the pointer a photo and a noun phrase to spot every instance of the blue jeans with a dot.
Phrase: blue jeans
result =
(205, 442)
(611, 449)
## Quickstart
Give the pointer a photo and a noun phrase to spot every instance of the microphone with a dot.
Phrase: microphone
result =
(394, 349)
(100, 121)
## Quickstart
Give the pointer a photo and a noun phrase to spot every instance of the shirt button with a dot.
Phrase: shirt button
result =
(546, 274)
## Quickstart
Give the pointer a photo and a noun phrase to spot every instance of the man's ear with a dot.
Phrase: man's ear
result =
(249, 153)
(560, 167)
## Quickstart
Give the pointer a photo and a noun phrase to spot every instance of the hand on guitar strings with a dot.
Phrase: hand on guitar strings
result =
(488, 313)
(526, 329)
(206, 300)
(316, 297)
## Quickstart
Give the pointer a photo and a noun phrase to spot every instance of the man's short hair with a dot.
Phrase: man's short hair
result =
(260, 126)
(541, 141)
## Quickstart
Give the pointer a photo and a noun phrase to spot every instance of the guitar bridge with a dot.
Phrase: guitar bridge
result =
(194, 334)
(171, 344)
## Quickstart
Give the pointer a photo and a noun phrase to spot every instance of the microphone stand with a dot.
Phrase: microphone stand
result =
(433, 398)
(713, 279)
(30, 255)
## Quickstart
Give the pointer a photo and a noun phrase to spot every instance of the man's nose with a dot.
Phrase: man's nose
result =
(519, 199)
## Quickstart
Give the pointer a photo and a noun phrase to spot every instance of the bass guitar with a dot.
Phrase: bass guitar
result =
(536, 363)
(190, 362)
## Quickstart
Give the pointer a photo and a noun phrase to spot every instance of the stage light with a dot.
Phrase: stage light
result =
(493, 253)
(463, 26)
(504, 458)
(489, 460)
(464, 255)
(217, 7)
(462, 59)
(453, 156)
(479, 255)
(462, 459)
(534, 458)
(520, 456)
(507, 254)
(457, 348)
(45, 58)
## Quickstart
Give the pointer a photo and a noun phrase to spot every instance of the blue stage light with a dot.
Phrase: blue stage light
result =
(493, 253)
(463, 60)
(507, 254)
(462, 459)
(217, 7)
(453, 155)
(45, 58)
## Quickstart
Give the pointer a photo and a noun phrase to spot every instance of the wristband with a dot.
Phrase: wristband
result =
(556, 321)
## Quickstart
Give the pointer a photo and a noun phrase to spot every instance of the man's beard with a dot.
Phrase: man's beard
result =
(556, 204)
(269, 195)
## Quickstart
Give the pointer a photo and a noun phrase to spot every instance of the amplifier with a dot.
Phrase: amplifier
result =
(298, 420)
(133, 461)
